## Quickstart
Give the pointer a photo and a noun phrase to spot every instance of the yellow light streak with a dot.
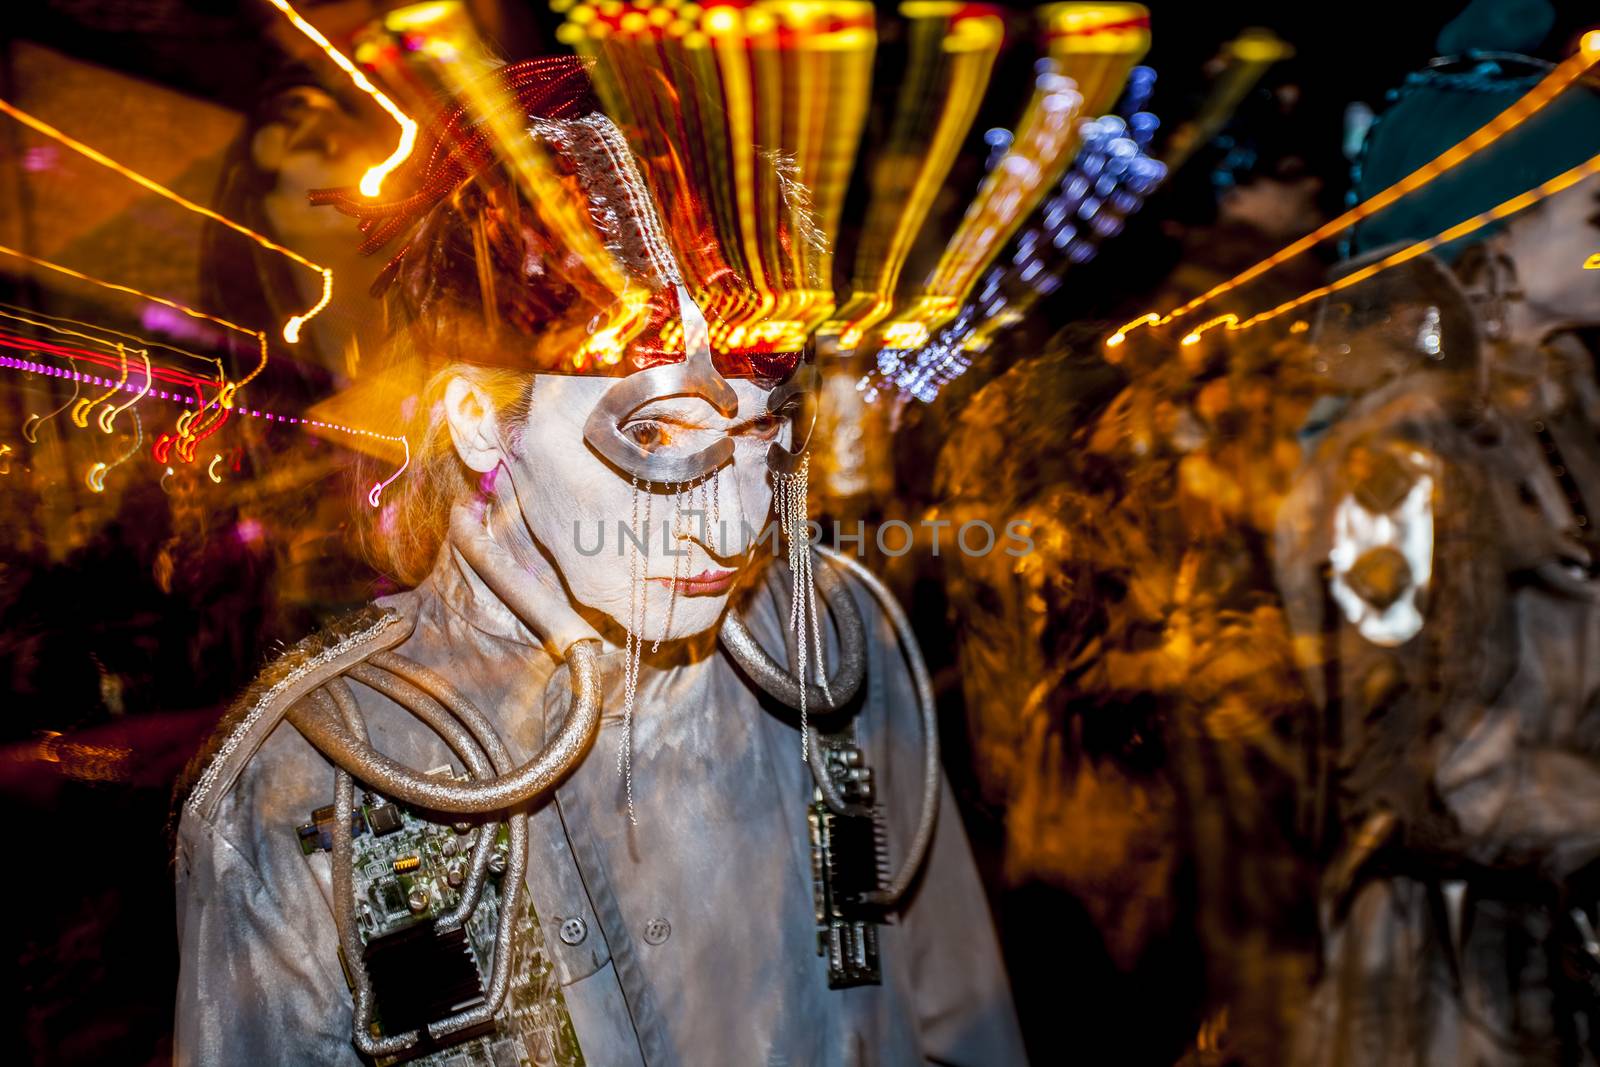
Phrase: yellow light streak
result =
(93, 339)
(372, 180)
(259, 335)
(211, 470)
(96, 475)
(1193, 336)
(756, 113)
(1566, 179)
(1551, 86)
(952, 54)
(1092, 47)
(80, 410)
(109, 413)
(1592, 263)
(291, 329)
(30, 425)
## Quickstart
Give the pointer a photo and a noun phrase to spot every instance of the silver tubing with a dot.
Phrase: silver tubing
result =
(505, 934)
(849, 668)
(344, 908)
(510, 896)
(928, 816)
(461, 742)
(538, 774)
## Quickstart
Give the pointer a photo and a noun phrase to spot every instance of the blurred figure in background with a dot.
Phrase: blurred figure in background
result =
(1439, 566)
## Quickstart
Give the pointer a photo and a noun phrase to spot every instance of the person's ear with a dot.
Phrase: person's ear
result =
(472, 425)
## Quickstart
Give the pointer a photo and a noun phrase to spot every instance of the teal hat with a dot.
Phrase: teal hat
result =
(1481, 74)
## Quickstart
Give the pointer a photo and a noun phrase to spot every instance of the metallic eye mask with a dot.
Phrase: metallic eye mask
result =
(695, 376)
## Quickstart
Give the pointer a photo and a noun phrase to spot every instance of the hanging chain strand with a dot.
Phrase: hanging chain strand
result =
(791, 511)
(637, 607)
(677, 560)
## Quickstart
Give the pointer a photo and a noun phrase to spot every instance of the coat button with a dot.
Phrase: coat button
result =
(574, 930)
(656, 931)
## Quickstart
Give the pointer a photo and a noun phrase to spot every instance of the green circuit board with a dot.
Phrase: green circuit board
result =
(408, 870)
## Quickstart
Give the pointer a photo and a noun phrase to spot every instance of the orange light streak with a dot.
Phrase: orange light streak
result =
(101, 341)
(109, 413)
(1566, 179)
(80, 410)
(225, 389)
(291, 329)
(372, 180)
(1562, 76)
(1193, 336)
(30, 425)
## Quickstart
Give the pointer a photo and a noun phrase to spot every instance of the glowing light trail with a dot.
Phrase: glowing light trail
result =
(291, 329)
(1562, 76)
(80, 410)
(1522, 201)
(109, 413)
(11, 311)
(187, 444)
(372, 181)
(227, 390)
(96, 476)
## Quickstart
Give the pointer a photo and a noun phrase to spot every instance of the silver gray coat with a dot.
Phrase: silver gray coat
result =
(720, 852)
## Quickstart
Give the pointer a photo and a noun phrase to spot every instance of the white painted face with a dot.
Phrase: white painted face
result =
(1550, 245)
(591, 519)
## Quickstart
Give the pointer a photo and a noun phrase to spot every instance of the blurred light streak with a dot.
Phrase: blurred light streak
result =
(1247, 57)
(379, 487)
(21, 314)
(1566, 179)
(97, 473)
(952, 53)
(1106, 183)
(211, 471)
(227, 389)
(1228, 319)
(187, 442)
(1592, 263)
(291, 329)
(109, 413)
(755, 113)
(1090, 49)
(1551, 86)
(30, 425)
(80, 410)
(372, 181)
(88, 763)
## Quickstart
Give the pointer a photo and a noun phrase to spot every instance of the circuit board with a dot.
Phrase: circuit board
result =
(407, 870)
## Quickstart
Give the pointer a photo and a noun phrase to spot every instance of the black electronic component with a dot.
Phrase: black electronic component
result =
(317, 835)
(846, 866)
(384, 819)
(421, 974)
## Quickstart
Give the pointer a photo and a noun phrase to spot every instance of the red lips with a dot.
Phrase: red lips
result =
(712, 582)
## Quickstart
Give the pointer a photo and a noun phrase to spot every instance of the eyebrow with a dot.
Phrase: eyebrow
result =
(682, 408)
